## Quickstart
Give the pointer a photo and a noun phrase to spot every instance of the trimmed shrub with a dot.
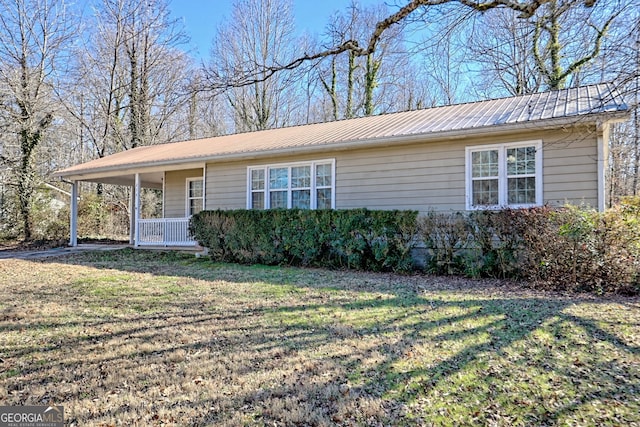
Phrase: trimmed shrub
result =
(571, 248)
(446, 237)
(357, 239)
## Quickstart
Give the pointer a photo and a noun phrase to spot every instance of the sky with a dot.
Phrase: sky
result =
(201, 17)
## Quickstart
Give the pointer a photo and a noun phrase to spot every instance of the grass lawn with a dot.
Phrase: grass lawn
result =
(140, 338)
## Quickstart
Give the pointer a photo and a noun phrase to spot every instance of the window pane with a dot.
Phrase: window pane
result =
(485, 192)
(301, 199)
(521, 161)
(521, 191)
(484, 163)
(257, 200)
(301, 177)
(257, 179)
(195, 188)
(323, 175)
(278, 199)
(278, 178)
(195, 206)
(323, 198)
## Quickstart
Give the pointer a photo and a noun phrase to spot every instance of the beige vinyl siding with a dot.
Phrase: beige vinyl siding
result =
(420, 177)
(571, 172)
(226, 186)
(175, 192)
(427, 176)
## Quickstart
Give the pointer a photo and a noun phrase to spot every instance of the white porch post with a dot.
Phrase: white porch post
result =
(204, 187)
(136, 209)
(132, 219)
(73, 229)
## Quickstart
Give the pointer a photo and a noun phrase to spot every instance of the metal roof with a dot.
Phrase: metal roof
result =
(583, 104)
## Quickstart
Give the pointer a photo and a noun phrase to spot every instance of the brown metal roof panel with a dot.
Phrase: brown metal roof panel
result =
(434, 119)
(451, 118)
(495, 114)
(587, 101)
(398, 124)
(556, 104)
(500, 112)
(597, 92)
(407, 124)
(578, 102)
(518, 110)
(464, 116)
(479, 116)
(616, 97)
(537, 107)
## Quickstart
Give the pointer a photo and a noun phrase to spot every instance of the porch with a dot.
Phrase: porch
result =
(183, 194)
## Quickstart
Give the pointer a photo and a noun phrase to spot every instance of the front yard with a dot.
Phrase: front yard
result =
(142, 338)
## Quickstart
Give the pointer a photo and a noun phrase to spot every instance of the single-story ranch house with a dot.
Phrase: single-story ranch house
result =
(522, 151)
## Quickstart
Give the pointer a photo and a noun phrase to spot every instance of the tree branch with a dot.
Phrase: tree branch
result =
(596, 49)
(263, 72)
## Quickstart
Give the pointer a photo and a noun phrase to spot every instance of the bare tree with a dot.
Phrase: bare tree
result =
(262, 71)
(443, 53)
(130, 77)
(33, 39)
(259, 32)
(502, 47)
(99, 100)
(205, 111)
(625, 149)
(566, 37)
(157, 76)
(356, 85)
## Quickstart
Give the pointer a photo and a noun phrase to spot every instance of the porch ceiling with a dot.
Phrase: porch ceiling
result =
(148, 180)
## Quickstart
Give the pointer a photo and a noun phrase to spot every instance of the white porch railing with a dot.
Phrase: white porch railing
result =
(165, 232)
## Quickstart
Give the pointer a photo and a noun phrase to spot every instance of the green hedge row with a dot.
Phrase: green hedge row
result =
(572, 248)
(358, 238)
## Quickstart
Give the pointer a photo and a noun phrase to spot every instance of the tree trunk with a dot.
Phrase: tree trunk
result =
(348, 113)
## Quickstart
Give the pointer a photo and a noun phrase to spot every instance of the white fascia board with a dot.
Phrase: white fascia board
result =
(116, 171)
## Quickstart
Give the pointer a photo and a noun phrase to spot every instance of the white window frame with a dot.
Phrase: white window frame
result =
(502, 174)
(313, 189)
(188, 181)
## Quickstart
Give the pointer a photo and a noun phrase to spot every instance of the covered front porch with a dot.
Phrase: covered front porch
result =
(183, 194)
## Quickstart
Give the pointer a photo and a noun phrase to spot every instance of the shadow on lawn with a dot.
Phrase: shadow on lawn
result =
(592, 376)
(424, 353)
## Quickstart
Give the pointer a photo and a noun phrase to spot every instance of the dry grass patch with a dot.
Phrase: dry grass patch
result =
(140, 338)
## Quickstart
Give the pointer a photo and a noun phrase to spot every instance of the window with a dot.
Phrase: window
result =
(305, 185)
(195, 195)
(504, 175)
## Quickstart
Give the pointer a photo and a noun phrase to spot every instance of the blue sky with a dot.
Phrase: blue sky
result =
(201, 17)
